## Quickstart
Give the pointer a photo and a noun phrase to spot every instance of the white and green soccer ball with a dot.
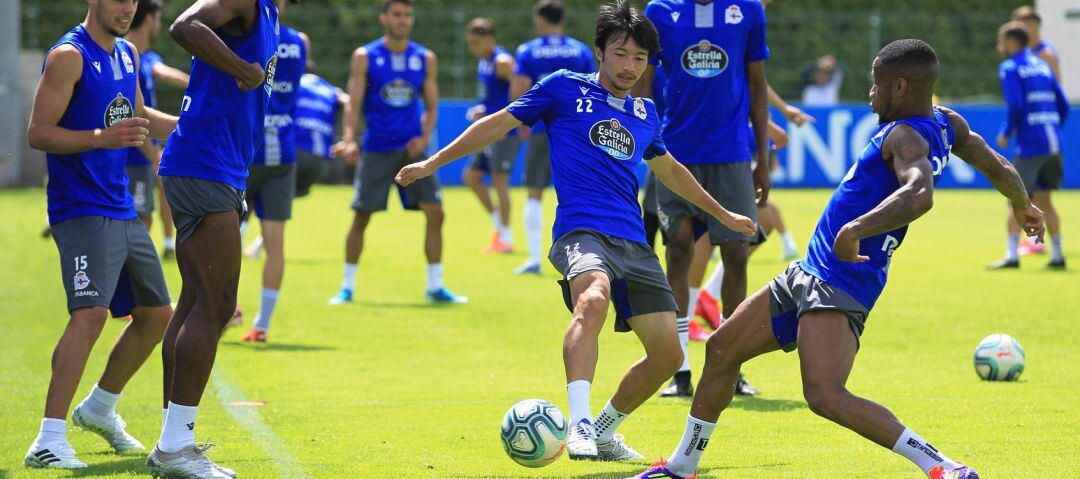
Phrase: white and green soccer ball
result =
(999, 357)
(534, 433)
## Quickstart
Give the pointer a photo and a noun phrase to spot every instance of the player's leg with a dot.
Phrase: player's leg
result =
(1053, 228)
(1028, 169)
(474, 179)
(787, 241)
(371, 186)
(589, 295)
(277, 196)
(679, 253)
(426, 194)
(681, 385)
(500, 181)
(537, 177)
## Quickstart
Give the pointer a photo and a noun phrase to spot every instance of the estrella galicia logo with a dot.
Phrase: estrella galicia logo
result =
(271, 72)
(612, 138)
(704, 59)
(398, 93)
(119, 109)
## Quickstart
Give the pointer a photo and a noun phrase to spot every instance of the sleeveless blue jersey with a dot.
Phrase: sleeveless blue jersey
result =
(659, 92)
(279, 144)
(220, 126)
(542, 56)
(392, 103)
(869, 181)
(597, 142)
(146, 84)
(704, 49)
(314, 115)
(93, 182)
(1037, 106)
(494, 92)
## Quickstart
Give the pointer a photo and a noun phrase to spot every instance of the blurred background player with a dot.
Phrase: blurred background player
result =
(495, 70)
(713, 56)
(271, 181)
(143, 161)
(87, 113)
(823, 78)
(648, 198)
(536, 59)
(387, 79)
(1037, 108)
(314, 118)
(205, 166)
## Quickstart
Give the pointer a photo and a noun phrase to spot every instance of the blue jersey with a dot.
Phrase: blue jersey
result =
(869, 181)
(146, 84)
(314, 115)
(542, 56)
(279, 141)
(659, 92)
(93, 182)
(221, 126)
(493, 92)
(704, 49)
(597, 141)
(392, 98)
(1044, 45)
(1036, 105)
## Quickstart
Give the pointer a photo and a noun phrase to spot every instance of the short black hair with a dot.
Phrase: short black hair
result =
(618, 19)
(911, 58)
(143, 10)
(386, 4)
(1017, 32)
(551, 11)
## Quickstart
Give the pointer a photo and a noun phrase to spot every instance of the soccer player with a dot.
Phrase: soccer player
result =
(536, 59)
(271, 181)
(387, 79)
(314, 117)
(495, 70)
(1043, 49)
(88, 111)
(821, 303)
(714, 58)
(1037, 108)
(599, 134)
(204, 168)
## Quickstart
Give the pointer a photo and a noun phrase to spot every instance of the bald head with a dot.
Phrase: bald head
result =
(912, 59)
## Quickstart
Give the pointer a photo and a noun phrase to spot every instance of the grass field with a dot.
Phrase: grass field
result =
(393, 387)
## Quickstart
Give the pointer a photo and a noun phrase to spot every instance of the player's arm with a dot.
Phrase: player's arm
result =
(347, 149)
(171, 76)
(63, 69)
(792, 113)
(480, 134)
(1012, 91)
(1051, 58)
(194, 30)
(909, 155)
(971, 148)
(643, 87)
(161, 124)
(759, 117)
(777, 135)
(677, 178)
(417, 145)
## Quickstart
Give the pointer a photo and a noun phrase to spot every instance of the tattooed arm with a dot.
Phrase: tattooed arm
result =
(971, 148)
(908, 154)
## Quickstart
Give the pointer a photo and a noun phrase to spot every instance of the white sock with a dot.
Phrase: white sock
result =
(495, 223)
(534, 223)
(164, 415)
(684, 341)
(434, 277)
(684, 461)
(266, 309)
(578, 393)
(243, 229)
(505, 235)
(52, 431)
(349, 280)
(169, 242)
(695, 293)
(789, 242)
(607, 422)
(179, 429)
(716, 279)
(917, 450)
(101, 402)
(1056, 253)
(1010, 247)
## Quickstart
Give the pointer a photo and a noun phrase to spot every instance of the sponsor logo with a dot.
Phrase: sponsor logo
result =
(97, 66)
(129, 66)
(271, 71)
(675, 17)
(704, 59)
(584, 90)
(612, 138)
(416, 63)
(118, 110)
(191, 426)
(380, 61)
(925, 449)
(80, 281)
(398, 93)
(556, 51)
(283, 87)
(702, 443)
(288, 50)
(89, 292)
(639, 108)
(733, 15)
(1044, 118)
(694, 440)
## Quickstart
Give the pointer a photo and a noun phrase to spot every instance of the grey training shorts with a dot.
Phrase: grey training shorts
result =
(638, 283)
(796, 292)
(498, 157)
(375, 175)
(193, 199)
(141, 182)
(730, 184)
(94, 250)
(538, 162)
(1039, 173)
(271, 190)
(310, 169)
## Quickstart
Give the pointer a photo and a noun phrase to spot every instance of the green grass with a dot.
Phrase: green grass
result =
(393, 387)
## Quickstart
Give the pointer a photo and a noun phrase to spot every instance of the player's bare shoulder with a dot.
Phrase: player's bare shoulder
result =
(905, 142)
(64, 60)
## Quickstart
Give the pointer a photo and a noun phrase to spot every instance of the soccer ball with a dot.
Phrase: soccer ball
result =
(534, 433)
(999, 357)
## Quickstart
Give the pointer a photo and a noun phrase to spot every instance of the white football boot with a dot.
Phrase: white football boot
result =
(112, 429)
(59, 455)
(581, 442)
(188, 463)
(616, 450)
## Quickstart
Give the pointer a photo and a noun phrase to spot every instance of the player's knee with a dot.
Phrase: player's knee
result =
(592, 306)
(87, 323)
(671, 361)
(821, 399)
(435, 216)
(720, 349)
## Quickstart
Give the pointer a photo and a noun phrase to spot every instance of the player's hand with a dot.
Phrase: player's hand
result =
(846, 247)
(416, 146)
(740, 224)
(415, 171)
(1030, 220)
(797, 116)
(475, 113)
(762, 180)
(129, 133)
(252, 77)
(347, 150)
(1003, 141)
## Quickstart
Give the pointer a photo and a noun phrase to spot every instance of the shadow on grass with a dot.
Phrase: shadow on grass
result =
(133, 464)
(272, 346)
(761, 404)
